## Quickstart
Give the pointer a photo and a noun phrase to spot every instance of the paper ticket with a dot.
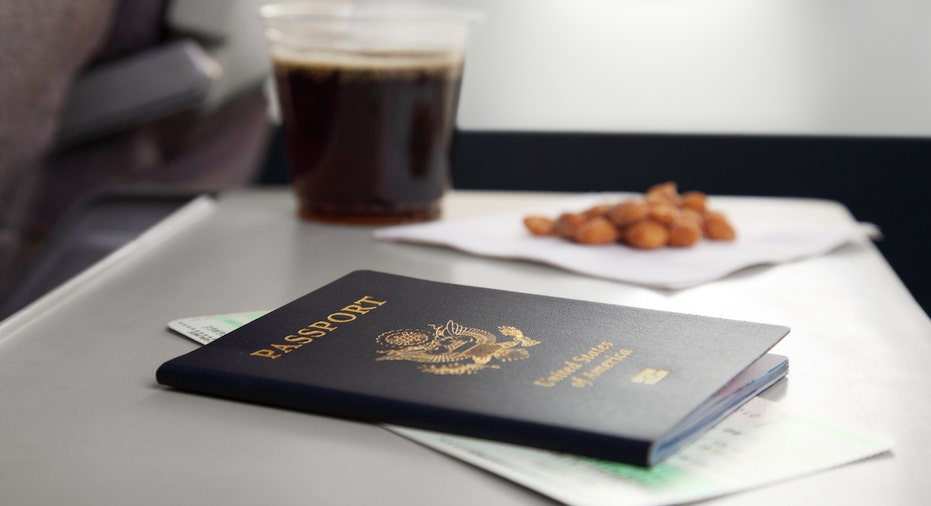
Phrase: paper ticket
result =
(762, 442)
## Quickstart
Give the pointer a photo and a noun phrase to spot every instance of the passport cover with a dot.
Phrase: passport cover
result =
(601, 380)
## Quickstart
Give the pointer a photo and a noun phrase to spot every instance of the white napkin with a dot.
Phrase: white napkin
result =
(760, 240)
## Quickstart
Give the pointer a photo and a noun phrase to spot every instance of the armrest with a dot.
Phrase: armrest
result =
(140, 88)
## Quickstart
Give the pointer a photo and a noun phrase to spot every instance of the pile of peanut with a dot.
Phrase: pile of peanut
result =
(662, 217)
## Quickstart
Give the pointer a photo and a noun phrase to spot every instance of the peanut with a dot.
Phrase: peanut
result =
(596, 231)
(540, 225)
(661, 218)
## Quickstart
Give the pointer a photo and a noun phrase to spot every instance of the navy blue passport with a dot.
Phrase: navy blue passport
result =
(601, 380)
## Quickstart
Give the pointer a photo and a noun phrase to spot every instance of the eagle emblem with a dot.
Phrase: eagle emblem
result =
(453, 348)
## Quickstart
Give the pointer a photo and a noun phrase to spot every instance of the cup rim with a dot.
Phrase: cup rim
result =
(341, 11)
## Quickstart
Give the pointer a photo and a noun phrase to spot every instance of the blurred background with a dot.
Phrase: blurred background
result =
(113, 113)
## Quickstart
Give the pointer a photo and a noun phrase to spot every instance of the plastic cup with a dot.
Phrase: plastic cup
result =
(368, 97)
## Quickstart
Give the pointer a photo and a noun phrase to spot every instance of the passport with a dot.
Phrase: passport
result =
(606, 381)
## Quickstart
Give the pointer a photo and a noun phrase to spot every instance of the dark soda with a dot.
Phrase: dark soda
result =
(369, 135)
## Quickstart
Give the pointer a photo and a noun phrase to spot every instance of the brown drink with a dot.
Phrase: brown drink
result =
(369, 134)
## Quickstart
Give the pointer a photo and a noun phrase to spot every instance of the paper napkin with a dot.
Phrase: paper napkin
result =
(762, 239)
